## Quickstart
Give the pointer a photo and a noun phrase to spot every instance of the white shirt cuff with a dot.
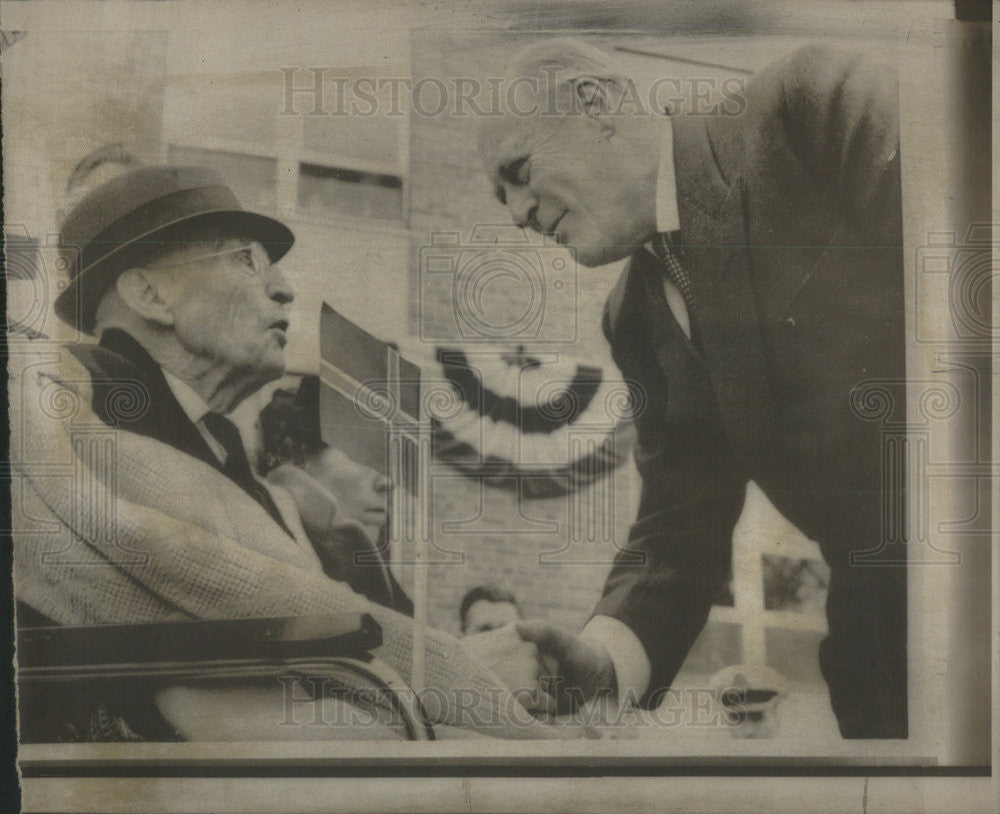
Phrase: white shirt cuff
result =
(632, 668)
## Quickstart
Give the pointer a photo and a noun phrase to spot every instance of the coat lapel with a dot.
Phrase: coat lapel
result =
(717, 258)
(163, 419)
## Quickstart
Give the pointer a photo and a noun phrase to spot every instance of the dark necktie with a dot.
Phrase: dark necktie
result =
(237, 467)
(664, 249)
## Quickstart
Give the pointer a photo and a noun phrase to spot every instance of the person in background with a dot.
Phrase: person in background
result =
(487, 607)
(342, 504)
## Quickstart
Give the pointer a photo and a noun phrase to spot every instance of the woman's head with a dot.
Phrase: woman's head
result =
(290, 434)
(289, 426)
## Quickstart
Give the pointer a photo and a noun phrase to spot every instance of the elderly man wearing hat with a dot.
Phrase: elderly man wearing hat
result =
(182, 290)
(180, 286)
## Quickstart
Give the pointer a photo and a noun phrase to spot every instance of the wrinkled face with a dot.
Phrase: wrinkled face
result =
(229, 306)
(566, 176)
(362, 493)
(484, 615)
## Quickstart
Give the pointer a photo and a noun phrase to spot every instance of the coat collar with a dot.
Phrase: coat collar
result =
(118, 365)
(704, 197)
(717, 256)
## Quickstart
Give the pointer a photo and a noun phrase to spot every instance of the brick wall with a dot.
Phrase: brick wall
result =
(485, 535)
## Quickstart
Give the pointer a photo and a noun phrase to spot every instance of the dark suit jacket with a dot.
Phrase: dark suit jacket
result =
(791, 233)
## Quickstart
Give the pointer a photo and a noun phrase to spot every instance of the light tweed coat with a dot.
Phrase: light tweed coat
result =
(114, 527)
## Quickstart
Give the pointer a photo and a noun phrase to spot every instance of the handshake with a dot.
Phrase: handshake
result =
(548, 668)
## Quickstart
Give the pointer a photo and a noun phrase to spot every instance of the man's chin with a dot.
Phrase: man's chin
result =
(275, 371)
(601, 254)
(267, 370)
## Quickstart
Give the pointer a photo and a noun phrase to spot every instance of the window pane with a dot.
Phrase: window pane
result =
(253, 178)
(717, 646)
(794, 653)
(335, 190)
(220, 108)
(367, 133)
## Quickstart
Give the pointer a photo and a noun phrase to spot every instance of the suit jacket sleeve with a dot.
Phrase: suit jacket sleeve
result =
(663, 583)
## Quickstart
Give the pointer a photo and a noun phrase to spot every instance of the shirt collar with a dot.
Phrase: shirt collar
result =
(667, 215)
(193, 405)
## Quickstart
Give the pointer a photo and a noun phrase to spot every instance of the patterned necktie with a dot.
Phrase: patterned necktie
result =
(238, 467)
(663, 248)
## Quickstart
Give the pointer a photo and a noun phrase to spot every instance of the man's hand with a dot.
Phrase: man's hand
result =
(578, 671)
(514, 661)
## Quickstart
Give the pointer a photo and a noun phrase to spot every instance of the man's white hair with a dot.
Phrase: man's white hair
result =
(568, 58)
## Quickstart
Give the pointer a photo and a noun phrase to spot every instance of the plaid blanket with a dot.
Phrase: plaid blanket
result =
(114, 527)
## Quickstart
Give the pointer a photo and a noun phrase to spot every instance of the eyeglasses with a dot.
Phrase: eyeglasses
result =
(251, 259)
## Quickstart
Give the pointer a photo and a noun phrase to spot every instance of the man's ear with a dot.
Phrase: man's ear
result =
(137, 287)
(594, 97)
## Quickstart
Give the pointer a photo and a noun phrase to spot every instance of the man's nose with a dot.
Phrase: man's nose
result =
(382, 485)
(523, 207)
(279, 287)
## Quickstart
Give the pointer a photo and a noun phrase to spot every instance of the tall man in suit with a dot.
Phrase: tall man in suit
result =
(764, 289)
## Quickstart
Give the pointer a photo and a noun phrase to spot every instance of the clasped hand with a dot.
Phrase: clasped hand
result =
(547, 667)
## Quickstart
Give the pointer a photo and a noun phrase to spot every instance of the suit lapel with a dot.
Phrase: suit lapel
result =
(716, 256)
(663, 332)
(119, 365)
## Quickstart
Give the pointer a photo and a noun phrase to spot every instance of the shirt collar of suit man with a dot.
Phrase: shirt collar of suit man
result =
(667, 215)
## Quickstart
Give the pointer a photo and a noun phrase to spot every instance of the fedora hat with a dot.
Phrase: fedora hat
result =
(143, 211)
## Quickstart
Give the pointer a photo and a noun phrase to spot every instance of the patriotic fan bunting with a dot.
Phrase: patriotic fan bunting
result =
(536, 423)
